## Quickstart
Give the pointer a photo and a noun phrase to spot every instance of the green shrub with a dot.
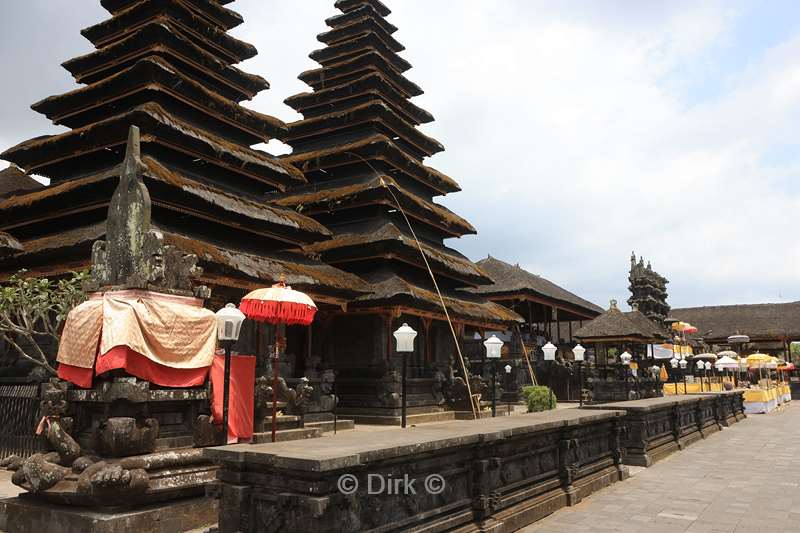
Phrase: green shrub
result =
(539, 398)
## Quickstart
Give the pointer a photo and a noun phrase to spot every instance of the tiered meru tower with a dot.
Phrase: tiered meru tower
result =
(167, 66)
(362, 154)
(648, 291)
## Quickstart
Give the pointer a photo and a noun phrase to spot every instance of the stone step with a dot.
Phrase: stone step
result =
(386, 420)
(326, 426)
(287, 435)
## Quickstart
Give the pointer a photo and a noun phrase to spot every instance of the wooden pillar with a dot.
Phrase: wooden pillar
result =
(558, 326)
(570, 331)
(389, 331)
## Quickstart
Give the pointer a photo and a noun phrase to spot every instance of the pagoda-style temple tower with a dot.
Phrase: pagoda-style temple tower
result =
(648, 291)
(362, 154)
(167, 67)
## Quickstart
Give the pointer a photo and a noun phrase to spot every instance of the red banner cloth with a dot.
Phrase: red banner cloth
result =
(82, 377)
(240, 396)
(135, 364)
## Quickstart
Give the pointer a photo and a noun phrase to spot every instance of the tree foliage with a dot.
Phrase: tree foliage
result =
(33, 311)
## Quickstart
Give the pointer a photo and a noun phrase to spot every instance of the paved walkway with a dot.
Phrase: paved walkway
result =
(743, 479)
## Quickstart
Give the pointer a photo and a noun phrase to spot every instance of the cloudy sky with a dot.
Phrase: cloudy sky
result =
(578, 130)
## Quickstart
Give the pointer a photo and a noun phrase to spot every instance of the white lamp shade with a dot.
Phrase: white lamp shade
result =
(549, 352)
(493, 347)
(683, 363)
(578, 351)
(674, 362)
(701, 365)
(656, 369)
(229, 323)
(508, 369)
(405, 338)
(625, 358)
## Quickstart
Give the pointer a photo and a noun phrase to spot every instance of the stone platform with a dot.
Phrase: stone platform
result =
(656, 427)
(24, 514)
(495, 474)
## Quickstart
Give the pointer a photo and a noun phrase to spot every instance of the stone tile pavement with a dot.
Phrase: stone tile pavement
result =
(743, 479)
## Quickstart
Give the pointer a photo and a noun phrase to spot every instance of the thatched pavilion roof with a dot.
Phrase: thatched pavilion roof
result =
(775, 321)
(616, 325)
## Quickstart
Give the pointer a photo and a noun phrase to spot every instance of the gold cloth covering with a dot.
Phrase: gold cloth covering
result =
(175, 331)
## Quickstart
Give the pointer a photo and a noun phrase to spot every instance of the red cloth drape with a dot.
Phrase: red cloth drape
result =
(82, 377)
(135, 364)
(241, 395)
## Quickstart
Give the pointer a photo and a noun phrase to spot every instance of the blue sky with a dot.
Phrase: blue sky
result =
(578, 130)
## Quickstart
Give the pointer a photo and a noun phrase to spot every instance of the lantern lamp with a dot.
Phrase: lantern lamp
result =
(655, 369)
(701, 365)
(625, 358)
(674, 362)
(683, 364)
(493, 347)
(578, 351)
(549, 352)
(229, 323)
(405, 338)
(508, 369)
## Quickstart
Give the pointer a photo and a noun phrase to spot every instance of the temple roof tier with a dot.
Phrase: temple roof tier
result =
(346, 30)
(358, 13)
(170, 190)
(211, 11)
(153, 79)
(512, 281)
(356, 67)
(341, 51)
(372, 85)
(394, 291)
(212, 39)
(351, 5)
(374, 148)
(164, 39)
(337, 197)
(70, 250)
(14, 181)
(385, 240)
(98, 146)
(321, 130)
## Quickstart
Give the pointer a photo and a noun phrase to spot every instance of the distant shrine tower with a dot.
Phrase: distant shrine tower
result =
(648, 290)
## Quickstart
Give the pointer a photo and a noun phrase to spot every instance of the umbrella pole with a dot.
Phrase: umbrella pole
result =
(275, 361)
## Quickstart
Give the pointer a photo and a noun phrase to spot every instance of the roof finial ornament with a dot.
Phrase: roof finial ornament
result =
(133, 256)
(613, 304)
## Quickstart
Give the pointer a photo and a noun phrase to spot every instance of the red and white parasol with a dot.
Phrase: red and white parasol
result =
(279, 304)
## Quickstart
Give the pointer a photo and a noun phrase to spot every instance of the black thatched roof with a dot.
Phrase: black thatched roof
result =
(511, 279)
(758, 321)
(14, 180)
(616, 324)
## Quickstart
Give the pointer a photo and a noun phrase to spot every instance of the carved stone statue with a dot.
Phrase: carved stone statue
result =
(133, 256)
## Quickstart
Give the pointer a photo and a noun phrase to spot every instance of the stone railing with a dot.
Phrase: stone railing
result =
(494, 474)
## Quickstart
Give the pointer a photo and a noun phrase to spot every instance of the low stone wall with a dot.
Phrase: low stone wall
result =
(656, 427)
(493, 474)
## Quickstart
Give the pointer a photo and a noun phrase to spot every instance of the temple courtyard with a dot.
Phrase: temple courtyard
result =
(743, 479)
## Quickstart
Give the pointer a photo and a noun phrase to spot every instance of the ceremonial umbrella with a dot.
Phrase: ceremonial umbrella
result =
(279, 304)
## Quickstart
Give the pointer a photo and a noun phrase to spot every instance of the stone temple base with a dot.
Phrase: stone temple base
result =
(26, 515)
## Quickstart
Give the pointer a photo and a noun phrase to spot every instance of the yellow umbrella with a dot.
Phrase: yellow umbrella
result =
(758, 360)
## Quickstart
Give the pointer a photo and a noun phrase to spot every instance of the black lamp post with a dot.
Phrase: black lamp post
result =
(493, 351)
(405, 344)
(683, 364)
(229, 325)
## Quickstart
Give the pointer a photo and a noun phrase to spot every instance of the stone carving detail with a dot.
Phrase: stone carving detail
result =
(122, 436)
(133, 256)
(391, 386)
(112, 483)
